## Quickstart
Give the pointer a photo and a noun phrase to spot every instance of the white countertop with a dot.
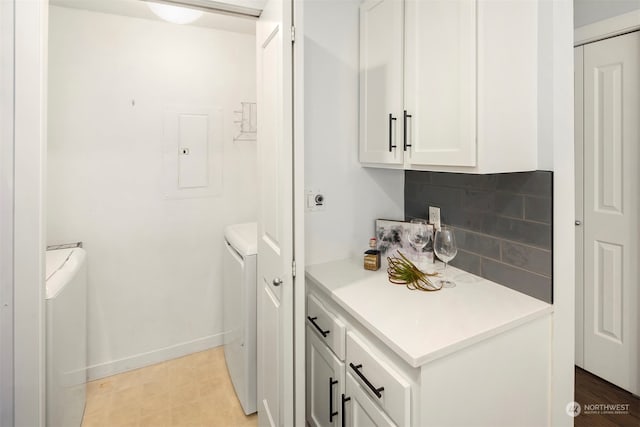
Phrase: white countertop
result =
(423, 326)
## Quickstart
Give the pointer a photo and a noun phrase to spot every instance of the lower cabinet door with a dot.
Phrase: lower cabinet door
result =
(325, 383)
(359, 409)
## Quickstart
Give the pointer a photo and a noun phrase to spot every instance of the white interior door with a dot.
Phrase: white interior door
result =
(275, 218)
(611, 193)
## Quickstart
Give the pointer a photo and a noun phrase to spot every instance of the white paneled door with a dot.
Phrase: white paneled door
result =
(611, 115)
(275, 218)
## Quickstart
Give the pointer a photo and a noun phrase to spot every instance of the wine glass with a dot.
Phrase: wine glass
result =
(418, 235)
(445, 248)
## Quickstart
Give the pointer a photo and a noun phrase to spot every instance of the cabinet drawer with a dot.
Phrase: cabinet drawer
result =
(360, 410)
(378, 378)
(328, 327)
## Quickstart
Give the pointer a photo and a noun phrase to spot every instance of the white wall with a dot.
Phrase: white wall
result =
(355, 196)
(555, 152)
(556, 22)
(154, 264)
(590, 11)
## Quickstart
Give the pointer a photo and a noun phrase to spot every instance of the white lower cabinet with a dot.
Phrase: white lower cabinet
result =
(325, 383)
(374, 393)
(379, 378)
(359, 409)
(375, 359)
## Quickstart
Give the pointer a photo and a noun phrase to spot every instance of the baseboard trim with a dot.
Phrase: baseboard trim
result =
(141, 360)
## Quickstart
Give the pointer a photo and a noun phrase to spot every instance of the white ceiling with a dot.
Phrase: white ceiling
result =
(139, 9)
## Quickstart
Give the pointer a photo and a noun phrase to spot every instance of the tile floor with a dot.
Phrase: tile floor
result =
(194, 390)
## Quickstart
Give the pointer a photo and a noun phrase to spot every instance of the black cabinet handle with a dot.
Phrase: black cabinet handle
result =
(344, 401)
(332, 414)
(312, 320)
(391, 144)
(375, 390)
(405, 130)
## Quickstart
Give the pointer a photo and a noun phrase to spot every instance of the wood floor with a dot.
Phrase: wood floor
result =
(590, 390)
(194, 390)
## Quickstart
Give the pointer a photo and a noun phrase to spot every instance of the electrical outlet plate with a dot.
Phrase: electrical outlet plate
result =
(314, 201)
(434, 216)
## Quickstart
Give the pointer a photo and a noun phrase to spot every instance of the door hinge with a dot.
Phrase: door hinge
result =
(293, 34)
(293, 268)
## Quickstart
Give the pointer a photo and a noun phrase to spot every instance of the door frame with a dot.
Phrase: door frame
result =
(7, 114)
(26, 189)
(299, 285)
(29, 154)
(606, 28)
(600, 30)
(559, 14)
(586, 347)
(579, 200)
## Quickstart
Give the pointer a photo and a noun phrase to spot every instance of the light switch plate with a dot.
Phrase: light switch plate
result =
(434, 216)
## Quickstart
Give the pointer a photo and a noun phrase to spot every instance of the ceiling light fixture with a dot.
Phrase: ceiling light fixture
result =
(175, 14)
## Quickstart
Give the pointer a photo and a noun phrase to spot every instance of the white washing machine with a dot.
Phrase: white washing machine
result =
(66, 311)
(240, 274)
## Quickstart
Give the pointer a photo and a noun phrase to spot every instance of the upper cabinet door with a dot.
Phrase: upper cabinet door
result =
(440, 82)
(381, 87)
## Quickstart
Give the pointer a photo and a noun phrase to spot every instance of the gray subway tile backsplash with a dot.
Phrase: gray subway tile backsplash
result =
(537, 209)
(529, 283)
(479, 200)
(478, 243)
(537, 183)
(526, 257)
(531, 233)
(462, 218)
(444, 196)
(461, 180)
(503, 223)
(467, 261)
(509, 205)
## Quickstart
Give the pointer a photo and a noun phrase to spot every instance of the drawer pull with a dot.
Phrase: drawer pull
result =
(375, 390)
(312, 320)
(344, 401)
(332, 414)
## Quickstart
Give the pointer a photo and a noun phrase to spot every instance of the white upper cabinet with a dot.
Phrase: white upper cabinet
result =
(381, 34)
(460, 79)
(440, 82)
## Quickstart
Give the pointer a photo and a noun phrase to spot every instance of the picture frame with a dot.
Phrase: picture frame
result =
(391, 237)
